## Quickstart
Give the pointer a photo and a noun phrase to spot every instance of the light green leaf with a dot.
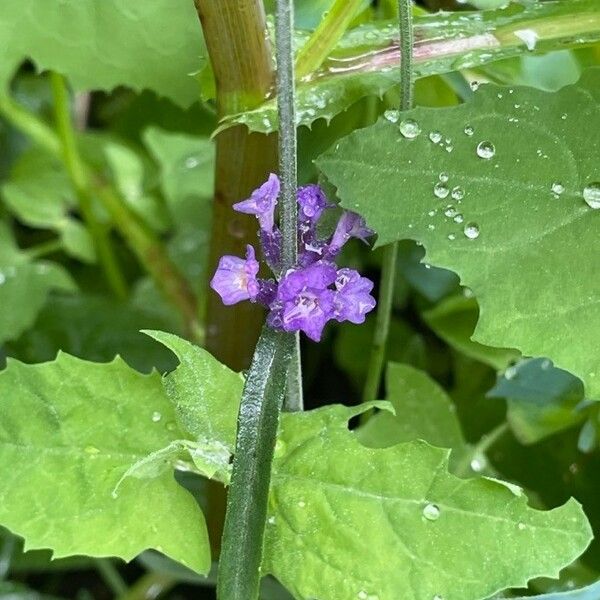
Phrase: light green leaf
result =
(24, 286)
(39, 194)
(70, 429)
(205, 392)
(187, 173)
(423, 411)
(454, 320)
(513, 209)
(102, 45)
(350, 522)
(366, 62)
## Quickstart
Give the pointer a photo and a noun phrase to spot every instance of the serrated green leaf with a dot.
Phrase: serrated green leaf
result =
(127, 43)
(205, 392)
(366, 63)
(69, 431)
(423, 411)
(353, 522)
(24, 286)
(454, 320)
(533, 297)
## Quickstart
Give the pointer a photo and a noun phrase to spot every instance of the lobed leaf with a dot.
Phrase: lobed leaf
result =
(499, 199)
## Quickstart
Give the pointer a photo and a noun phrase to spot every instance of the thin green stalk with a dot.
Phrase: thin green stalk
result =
(288, 171)
(463, 468)
(149, 587)
(241, 552)
(78, 175)
(111, 576)
(326, 36)
(390, 258)
(45, 248)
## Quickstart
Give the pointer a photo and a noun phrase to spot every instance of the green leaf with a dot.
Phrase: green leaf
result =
(187, 173)
(542, 400)
(366, 63)
(532, 297)
(454, 320)
(423, 411)
(39, 194)
(338, 507)
(205, 392)
(24, 286)
(102, 46)
(70, 430)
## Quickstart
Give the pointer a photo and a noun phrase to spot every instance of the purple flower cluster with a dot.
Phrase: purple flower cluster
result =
(315, 290)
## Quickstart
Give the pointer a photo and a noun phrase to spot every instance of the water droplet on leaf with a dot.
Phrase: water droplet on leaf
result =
(458, 218)
(591, 194)
(450, 211)
(558, 188)
(392, 115)
(441, 190)
(431, 512)
(444, 177)
(469, 130)
(435, 137)
(156, 416)
(471, 230)
(410, 129)
(486, 150)
(458, 193)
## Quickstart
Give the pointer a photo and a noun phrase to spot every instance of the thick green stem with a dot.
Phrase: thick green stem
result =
(326, 36)
(78, 175)
(240, 54)
(388, 269)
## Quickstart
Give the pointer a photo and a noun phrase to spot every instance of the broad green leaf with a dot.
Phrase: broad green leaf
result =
(516, 207)
(366, 61)
(542, 399)
(70, 429)
(423, 411)
(454, 320)
(24, 286)
(39, 194)
(205, 392)
(353, 522)
(108, 44)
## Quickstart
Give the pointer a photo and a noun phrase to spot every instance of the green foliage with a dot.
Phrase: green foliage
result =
(362, 64)
(70, 430)
(439, 534)
(512, 219)
(24, 286)
(127, 44)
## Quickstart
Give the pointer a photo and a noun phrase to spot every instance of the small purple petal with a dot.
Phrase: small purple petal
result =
(235, 278)
(318, 276)
(353, 299)
(349, 226)
(308, 312)
(270, 242)
(312, 202)
(262, 203)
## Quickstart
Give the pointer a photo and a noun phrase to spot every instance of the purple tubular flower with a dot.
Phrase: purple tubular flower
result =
(352, 300)
(312, 202)
(235, 278)
(349, 226)
(262, 203)
(304, 300)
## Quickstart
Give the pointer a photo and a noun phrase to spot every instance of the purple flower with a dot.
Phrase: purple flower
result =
(304, 300)
(352, 300)
(349, 226)
(235, 278)
(312, 202)
(262, 203)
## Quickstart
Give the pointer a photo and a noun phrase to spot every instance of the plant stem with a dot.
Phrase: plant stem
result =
(241, 555)
(240, 54)
(6, 554)
(78, 176)
(45, 248)
(288, 171)
(463, 468)
(324, 38)
(390, 258)
(111, 576)
(149, 587)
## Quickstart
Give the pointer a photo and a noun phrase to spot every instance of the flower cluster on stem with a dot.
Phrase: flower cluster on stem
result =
(313, 292)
